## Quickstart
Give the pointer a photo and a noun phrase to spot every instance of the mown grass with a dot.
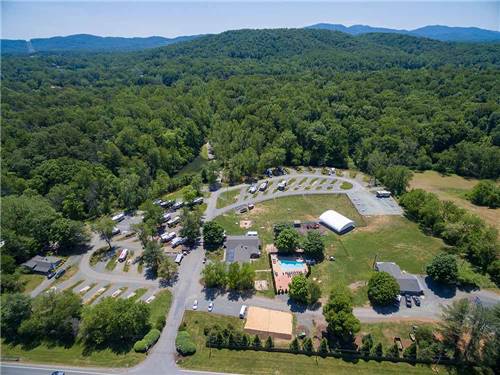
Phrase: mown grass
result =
(250, 362)
(227, 198)
(112, 262)
(385, 332)
(30, 281)
(345, 185)
(160, 306)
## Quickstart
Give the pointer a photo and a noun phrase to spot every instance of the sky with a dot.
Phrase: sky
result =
(40, 19)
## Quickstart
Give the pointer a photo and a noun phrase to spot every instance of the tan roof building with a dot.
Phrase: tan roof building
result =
(265, 322)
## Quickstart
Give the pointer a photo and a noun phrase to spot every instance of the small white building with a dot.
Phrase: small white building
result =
(336, 222)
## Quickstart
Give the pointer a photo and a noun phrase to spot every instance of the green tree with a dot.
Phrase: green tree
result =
(68, 234)
(323, 347)
(486, 193)
(153, 213)
(167, 269)
(313, 292)
(269, 343)
(294, 345)
(214, 275)
(52, 318)
(256, 343)
(246, 277)
(153, 256)
(338, 315)
(382, 289)
(443, 268)
(287, 241)
(15, 309)
(104, 227)
(213, 235)
(396, 178)
(378, 350)
(313, 245)
(233, 275)
(367, 344)
(191, 225)
(307, 345)
(410, 352)
(145, 232)
(298, 290)
(393, 351)
(114, 323)
(189, 194)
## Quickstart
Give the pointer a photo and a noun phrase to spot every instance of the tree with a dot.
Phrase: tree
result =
(246, 277)
(167, 269)
(256, 343)
(153, 255)
(378, 350)
(294, 345)
(153, 213)
(323, 347)
(53, 317)
(214, 275)
(338, 314)
(307, 345)
(269, 343)
(367, 344)
(410, 352)
(287, 241)
(213, 235)
(313, 292)
(313, 245)
(486, 193)
(191, 224)
(396, 178)
(382, 289)
(393, 351)
(298, 289)
(233, 275)
(114, 323)
(443, 268)
(15, 309)
(189, 194)
(104, 227)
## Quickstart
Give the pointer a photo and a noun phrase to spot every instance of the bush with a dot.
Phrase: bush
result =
(184, 344)
(443, 268)
(269, 343)
(486, 193)
(160, 322)
(382, 289)
(140, 346)
(152, 337)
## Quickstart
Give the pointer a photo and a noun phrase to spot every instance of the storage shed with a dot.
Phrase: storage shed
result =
(265, 322)
(336, 222)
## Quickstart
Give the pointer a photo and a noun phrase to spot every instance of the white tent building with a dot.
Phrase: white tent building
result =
(335, 221)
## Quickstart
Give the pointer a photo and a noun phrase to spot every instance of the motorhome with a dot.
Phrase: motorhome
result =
(166, 237)
(178, 258)
(383, 194)
(174, 221)
(178, 241)
(123, 255)
(118, 217)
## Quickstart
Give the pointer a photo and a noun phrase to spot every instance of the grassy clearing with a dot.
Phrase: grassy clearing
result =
(267, 275)
(227, 197)
(112, 262)
(390, 238)
(194, 167)
(385, 332)
(454, 188)
(250, 362)
(345, 185)
(215, 255)
(138, 293)
(30, 281)
(160, 306)
(75, 285)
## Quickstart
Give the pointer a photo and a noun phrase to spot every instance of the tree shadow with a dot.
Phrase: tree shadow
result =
(439, 289)
(165, 283)
(212, 293)
(150, 274)
(235, 295)
(296, 306)
(386, 310)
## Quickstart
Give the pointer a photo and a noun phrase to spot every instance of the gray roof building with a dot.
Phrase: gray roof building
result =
(241, 248)
(43, 265)
(408, 283)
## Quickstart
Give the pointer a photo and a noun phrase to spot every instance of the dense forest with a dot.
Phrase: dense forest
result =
(90, 132)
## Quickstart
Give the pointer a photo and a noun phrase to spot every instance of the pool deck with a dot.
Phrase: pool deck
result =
(283, 277)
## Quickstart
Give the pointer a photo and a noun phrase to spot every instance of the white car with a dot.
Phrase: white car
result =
(210, 306)
(252, 190)
(195, 304)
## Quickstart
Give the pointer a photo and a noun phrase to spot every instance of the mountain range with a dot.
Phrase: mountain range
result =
(438, 32)
(92, 43)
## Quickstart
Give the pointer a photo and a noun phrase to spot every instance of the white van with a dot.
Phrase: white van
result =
(383, 194)
(252, 233)
(243, 311)
(178, 258)
(178, 241)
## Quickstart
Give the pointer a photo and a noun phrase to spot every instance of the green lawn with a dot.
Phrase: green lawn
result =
(75, 356)
(250, 362)
(385, 332)
(390, 238)
(346, 185)
(195, 166)
(31, 281)
(111, 265)
(227, 197)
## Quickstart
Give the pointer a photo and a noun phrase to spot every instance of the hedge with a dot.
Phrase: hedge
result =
(148, 341)
(184, 344)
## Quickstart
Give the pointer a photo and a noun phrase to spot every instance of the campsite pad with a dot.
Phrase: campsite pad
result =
(261, 285)
(245, 224)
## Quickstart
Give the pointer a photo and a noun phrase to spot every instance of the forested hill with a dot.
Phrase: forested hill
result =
(437, 32)
(91, 132)
(87, 43)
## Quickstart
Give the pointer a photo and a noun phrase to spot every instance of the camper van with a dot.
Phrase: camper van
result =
(252, 233)
(383, 194)
(178, 258)
(243, 311)
(198, 200)
(166, 237)
(123, 255)
(174, 221)
(118, 217)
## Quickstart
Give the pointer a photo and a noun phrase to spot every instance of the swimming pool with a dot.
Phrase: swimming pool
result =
(291, 265)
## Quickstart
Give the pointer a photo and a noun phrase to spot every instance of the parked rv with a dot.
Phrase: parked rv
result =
(123, 255)
(118, 217)
(178, 205)
(383, 194)
(196, 201)
(178, 258)
(167, 204)
(178, 241)
(167, 237)
(252, 189)
(174, 221)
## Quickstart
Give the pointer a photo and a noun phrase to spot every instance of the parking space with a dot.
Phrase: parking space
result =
(368, 204)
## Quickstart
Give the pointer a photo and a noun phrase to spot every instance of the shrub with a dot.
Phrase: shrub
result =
(443, 268)
(294, 345)
(307, 345)
(323, 347)
(382, 289)
(183, 326)
(160, 322)
(269, 343)
(256, 342)
(152, 337)
(184, 344)
(140, 346)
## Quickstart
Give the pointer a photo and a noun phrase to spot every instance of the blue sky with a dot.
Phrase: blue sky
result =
(31, 19)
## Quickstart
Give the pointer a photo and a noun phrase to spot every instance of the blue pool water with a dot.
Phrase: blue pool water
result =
(291, 265)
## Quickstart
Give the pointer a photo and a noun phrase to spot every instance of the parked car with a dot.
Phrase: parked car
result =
(204, 260)
(166, 237)
(263, 186)
(59, 273)
(178, 205)
(58, 373)
(167, 204)
(252, 189)
(195, 304)
(416, 299)
(51, 274)
(118, 217)
(115, 231)
(174, 221)
(242, 209)
(210, 306)
(408, 300)
(165, 218)
(198, 200)
(157, 202)
(282, 185)
(251, 206)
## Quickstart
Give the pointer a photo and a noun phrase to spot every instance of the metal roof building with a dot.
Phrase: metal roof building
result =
(337, 222)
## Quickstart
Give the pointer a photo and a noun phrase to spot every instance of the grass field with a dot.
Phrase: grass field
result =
(391, 238)
(385, 332)
(194, 167)
(345, 185)
(227, 197)
(250, 362)
(30, 281)
(454, 188)
(75, 355)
